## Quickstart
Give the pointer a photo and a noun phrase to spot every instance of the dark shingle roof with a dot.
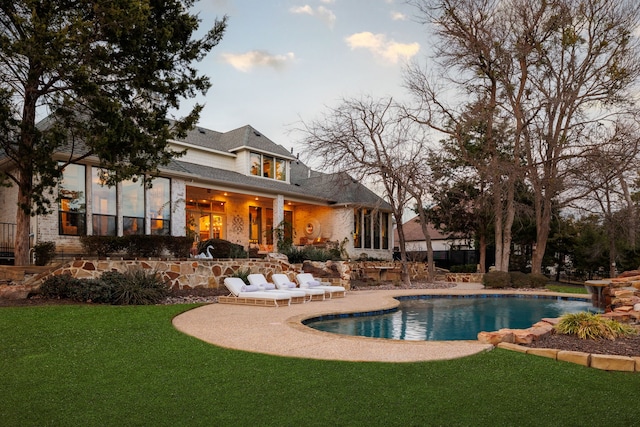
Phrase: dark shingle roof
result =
(331, 189)
(234, 140)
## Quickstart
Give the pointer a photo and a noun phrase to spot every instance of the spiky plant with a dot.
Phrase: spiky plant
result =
(586, 325)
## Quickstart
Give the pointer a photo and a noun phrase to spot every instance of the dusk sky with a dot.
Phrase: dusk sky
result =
(283, 61)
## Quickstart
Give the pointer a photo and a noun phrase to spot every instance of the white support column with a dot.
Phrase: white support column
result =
(178, 207)
(278, 217)
(88, 198)
(119, 219)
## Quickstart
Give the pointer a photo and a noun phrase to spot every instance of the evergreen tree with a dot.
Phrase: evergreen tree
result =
(105, 74)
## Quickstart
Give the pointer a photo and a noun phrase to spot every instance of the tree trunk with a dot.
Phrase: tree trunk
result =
(23, 223)
(424, 225)
(404, 274)
(483, 254)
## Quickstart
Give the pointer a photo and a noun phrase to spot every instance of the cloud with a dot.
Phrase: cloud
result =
(325, 15)
(398, 16)
(245, 62)
(380, 46)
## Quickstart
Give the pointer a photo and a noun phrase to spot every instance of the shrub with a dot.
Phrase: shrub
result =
(464, 268)
(538, 280)
(220, 248)
(312, 253)
(178, 246)
(518, 279)
(102, 245)
(60, 286)
(45, 252)
(143, 246)
(295, 255)
(587, 325)
(137, 287)
(496, 279)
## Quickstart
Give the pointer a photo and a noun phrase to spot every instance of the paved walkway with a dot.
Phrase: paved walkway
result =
(279, 331)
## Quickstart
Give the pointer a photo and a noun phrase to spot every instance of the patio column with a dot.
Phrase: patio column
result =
(278, 218)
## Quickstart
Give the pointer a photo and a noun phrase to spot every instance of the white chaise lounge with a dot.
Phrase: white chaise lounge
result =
(306, 280)
(282, 282)
(251, 295)
(298, 296)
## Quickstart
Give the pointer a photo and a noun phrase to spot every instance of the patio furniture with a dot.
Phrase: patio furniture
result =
(247, 295)
(282, 282)
(298, 296)
(306, 280)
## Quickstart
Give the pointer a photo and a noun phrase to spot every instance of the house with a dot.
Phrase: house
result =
(448, 249)
(237, 185)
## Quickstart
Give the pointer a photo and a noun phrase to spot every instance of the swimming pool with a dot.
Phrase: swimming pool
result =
(447, 318)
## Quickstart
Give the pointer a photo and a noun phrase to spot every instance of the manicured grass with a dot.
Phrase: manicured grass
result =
(124, 366)
(569, 289)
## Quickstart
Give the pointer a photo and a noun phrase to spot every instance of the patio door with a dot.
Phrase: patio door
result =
(206, 225)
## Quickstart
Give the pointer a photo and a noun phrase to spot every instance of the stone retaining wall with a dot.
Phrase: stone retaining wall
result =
(464, 277)
(210, 273)
(194, 273)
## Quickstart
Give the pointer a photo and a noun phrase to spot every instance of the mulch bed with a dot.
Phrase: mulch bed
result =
(626, 346)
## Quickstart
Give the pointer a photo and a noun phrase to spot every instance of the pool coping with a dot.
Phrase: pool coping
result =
(279, 331)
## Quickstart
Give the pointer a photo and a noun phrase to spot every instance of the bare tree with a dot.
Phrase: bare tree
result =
(604, 171)
(549, 68)
(368, 138)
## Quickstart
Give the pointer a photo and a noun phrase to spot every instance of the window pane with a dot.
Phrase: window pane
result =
(160, 206)
(256, 164)
(385, 231)
(133, 198)
(132, 225)
(72, 224)
(104, 225)
(103, 201)
(103, 197)
(367, 228)
(160, 199)
(267, 166)
(71, 193)
(281, 170)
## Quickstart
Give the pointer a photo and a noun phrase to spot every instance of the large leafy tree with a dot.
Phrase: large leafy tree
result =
(105, 74)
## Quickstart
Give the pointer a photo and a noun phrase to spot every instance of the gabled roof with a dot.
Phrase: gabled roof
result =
(413, 231)
(245, 137)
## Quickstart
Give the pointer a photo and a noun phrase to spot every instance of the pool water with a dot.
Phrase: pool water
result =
(433, 318)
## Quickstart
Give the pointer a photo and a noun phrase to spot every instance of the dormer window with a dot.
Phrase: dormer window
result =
(268, 167)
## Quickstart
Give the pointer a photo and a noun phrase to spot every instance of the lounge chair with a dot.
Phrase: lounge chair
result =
(251, 295)
(306, 280)
(298, 296)
(282, 282)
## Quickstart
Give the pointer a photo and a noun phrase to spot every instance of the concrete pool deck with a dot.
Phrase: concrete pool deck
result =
(279, 331)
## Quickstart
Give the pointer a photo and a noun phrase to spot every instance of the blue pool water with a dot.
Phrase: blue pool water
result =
(434, 318)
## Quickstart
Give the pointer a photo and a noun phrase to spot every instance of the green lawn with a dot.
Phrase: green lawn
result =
(124, 366)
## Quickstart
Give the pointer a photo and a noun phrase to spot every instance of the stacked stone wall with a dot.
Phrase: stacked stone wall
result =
(192, 273)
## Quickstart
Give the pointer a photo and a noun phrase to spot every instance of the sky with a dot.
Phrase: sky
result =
(281, 62)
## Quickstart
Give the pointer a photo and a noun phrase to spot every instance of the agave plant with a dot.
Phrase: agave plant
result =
(586, 325)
